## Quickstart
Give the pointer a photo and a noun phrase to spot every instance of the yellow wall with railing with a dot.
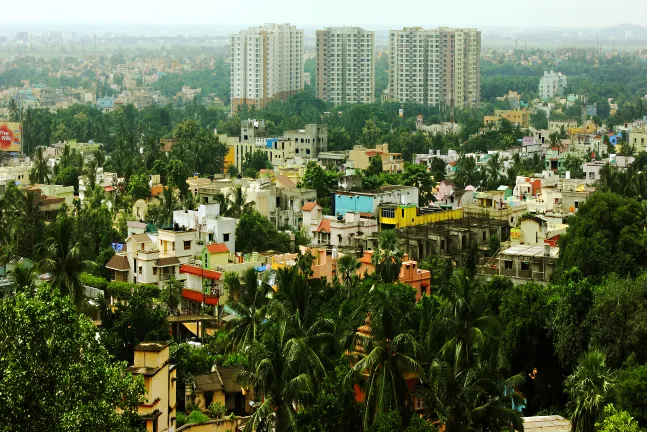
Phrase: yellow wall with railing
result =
(406, 216)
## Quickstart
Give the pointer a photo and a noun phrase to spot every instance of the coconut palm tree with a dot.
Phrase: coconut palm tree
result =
(285, 374)
(384, 354)
(466, 171)
(347, 267)
(40, 172)
(13, 110)
(90, 171)
(170, 203)
(387, 258)
(463, 397)
(24, 278)
(249, 307)
(238, 202)
(221, 199)
(493, 170)
(589, 388)
(64, 259)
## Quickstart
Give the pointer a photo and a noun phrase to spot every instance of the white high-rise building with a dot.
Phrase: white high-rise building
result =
(346, 65)
(265, 63)
(552, 84)
(435, 66)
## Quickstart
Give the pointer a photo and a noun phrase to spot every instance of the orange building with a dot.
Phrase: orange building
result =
(410, 274)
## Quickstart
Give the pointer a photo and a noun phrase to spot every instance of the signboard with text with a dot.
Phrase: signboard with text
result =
(10, 137)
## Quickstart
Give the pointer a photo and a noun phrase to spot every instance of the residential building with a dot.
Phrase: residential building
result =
(638, 138)
(265, 63)
(369, 202)
(309, 141)
(592, 171)
(350, 230)
(552, 84)
(517, 117)
(559, 125)
(152, 361)
(521, 264)
(439, 66)
(360, 157)
(345, 65)
(220, 386)
(392, 216)
(289, 201)
(323, 266)
(58, 191)
(410, 274)
(211, 227)
(441, 128)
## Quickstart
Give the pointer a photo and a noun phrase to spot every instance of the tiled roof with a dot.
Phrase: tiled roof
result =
(324, 226)
(157, 190)
(166, 262)
(285, 182)
(309, 206)
(217, 248)
(141, 238)
(119, 263)
(199, 271)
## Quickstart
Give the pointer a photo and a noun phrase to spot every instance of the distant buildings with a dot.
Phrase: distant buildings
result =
(266, 63)
(346, 65)
(551, 84)
(435, 66)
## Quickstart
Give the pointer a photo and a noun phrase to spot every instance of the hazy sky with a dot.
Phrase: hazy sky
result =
(312, 14)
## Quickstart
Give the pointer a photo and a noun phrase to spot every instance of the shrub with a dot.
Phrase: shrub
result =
(197, 416)
(93, 281)
(124, 290)
(217, 410)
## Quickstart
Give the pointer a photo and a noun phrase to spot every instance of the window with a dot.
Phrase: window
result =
(388, 213)
(483, 235)
(402, 212)
(187, 245)
(507, 264)
(140, 269)
(154, 271)
(525, 265)
(577, 204)
(225, 237)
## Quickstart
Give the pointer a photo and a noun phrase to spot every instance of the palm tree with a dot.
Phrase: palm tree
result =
(99, 156)
(463, 321)
(493, 169)
(40, 172)
(238, 202)
(298, 302)
(90, 172)
(248, 306)
(387, 258)
(384, 354)
(285, 373)
(347, 266)
(221, 199)
(24, 278)
(64, 259)
(463, 397)
(170, 203)
(589, 388)
(13, 110)
(467, 172)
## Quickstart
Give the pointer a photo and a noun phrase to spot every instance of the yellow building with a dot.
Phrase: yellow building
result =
(152, 362)
(214, 255)
(220, 386)
(588, 128)
(230, 158)
(402, 216)
(518, 117)
(361, 158)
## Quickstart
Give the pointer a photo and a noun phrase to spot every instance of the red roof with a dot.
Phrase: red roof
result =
(108, 188)
(371, 153)
(198, 271)
(197, 296)
(156, 190)
(309, 206)
(324, 226)
(217, 248)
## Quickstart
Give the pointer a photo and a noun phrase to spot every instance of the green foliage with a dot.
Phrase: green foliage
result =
(59, 355)
(255, 232)
(321, 180)
(93, 281)
(171, 295)
(254, 162)
(196, 417)
(138, 186)
(125, 325)
(217, 410)
(126, 290)
(617, 421)
(420, 177)
(605, 236)
(632, 392)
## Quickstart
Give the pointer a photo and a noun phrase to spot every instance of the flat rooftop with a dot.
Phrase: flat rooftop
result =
(534, 251)
(553, 423)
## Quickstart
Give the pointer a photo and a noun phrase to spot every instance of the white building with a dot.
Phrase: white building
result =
(438, 66)
(551, 84)
(346, 65)
(265, 63)
(210, 226)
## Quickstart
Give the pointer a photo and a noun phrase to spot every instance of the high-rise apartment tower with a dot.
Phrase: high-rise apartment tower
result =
(346, 65)
(437, 66)
(265, 63)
